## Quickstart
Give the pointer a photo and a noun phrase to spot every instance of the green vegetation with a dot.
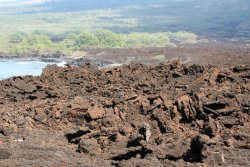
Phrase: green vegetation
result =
(147, 39)
(108, 39)
(70, 27)
(86, 39)
(29, 44)
(37, 43)
(61, 24)
(182, 37)
(225, 19)
(160, 58)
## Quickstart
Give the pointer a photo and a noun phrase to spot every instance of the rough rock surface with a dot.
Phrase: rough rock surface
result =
(133, 115)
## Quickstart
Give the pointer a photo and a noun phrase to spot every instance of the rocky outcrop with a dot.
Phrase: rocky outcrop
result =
(132, 115)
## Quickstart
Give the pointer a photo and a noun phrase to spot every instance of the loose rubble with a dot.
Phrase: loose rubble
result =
(169, 114)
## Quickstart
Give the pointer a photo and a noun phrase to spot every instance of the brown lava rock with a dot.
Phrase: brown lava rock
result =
(132, 115)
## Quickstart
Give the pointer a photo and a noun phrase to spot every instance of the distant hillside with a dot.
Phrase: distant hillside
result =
(83, 5)
(224, 19)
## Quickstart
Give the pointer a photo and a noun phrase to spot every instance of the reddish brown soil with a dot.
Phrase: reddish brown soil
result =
(171, 114)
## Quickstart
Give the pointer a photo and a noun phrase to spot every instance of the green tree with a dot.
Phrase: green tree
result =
(37, 43)
(147, 39)
(34, 40)
(16, 37)
(111, 40)
(70, 40)
(86, 39)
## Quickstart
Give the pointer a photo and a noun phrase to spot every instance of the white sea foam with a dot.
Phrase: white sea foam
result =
(22, 62)
(115, 65)
(61, 64)
(40, 62)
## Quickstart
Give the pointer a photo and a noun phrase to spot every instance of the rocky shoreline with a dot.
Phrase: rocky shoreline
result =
(168, 114)
(66, 60)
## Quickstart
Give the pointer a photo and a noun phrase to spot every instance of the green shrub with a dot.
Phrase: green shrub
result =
(86, 39)
(20, 44)
(160, 58)
(147, 39)
(107, 39)
(16, 37)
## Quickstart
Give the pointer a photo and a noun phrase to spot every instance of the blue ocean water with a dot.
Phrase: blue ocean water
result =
(20, 68)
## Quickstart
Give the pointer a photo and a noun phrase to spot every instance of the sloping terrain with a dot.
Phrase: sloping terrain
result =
(224, 19)
(169, 114)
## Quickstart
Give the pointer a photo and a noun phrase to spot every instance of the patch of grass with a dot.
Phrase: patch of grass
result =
(78, 54)
(182, 37)
(160, 58)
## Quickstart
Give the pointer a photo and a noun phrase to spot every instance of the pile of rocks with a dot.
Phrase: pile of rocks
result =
(135, 115)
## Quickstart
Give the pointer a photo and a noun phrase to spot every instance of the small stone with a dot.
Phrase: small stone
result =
(4, 154)
(146, 132)
(229, 143)
(1, 135)
(126, 130)
(29, 88)
(80, 102)
(39, 111)
(186, 105)
(89, 146)
(31, 112)
(74, 135)
(57, 114)
(20, 120)
(96, 112)
(210, 128)
(41, 118)
(6, 131)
